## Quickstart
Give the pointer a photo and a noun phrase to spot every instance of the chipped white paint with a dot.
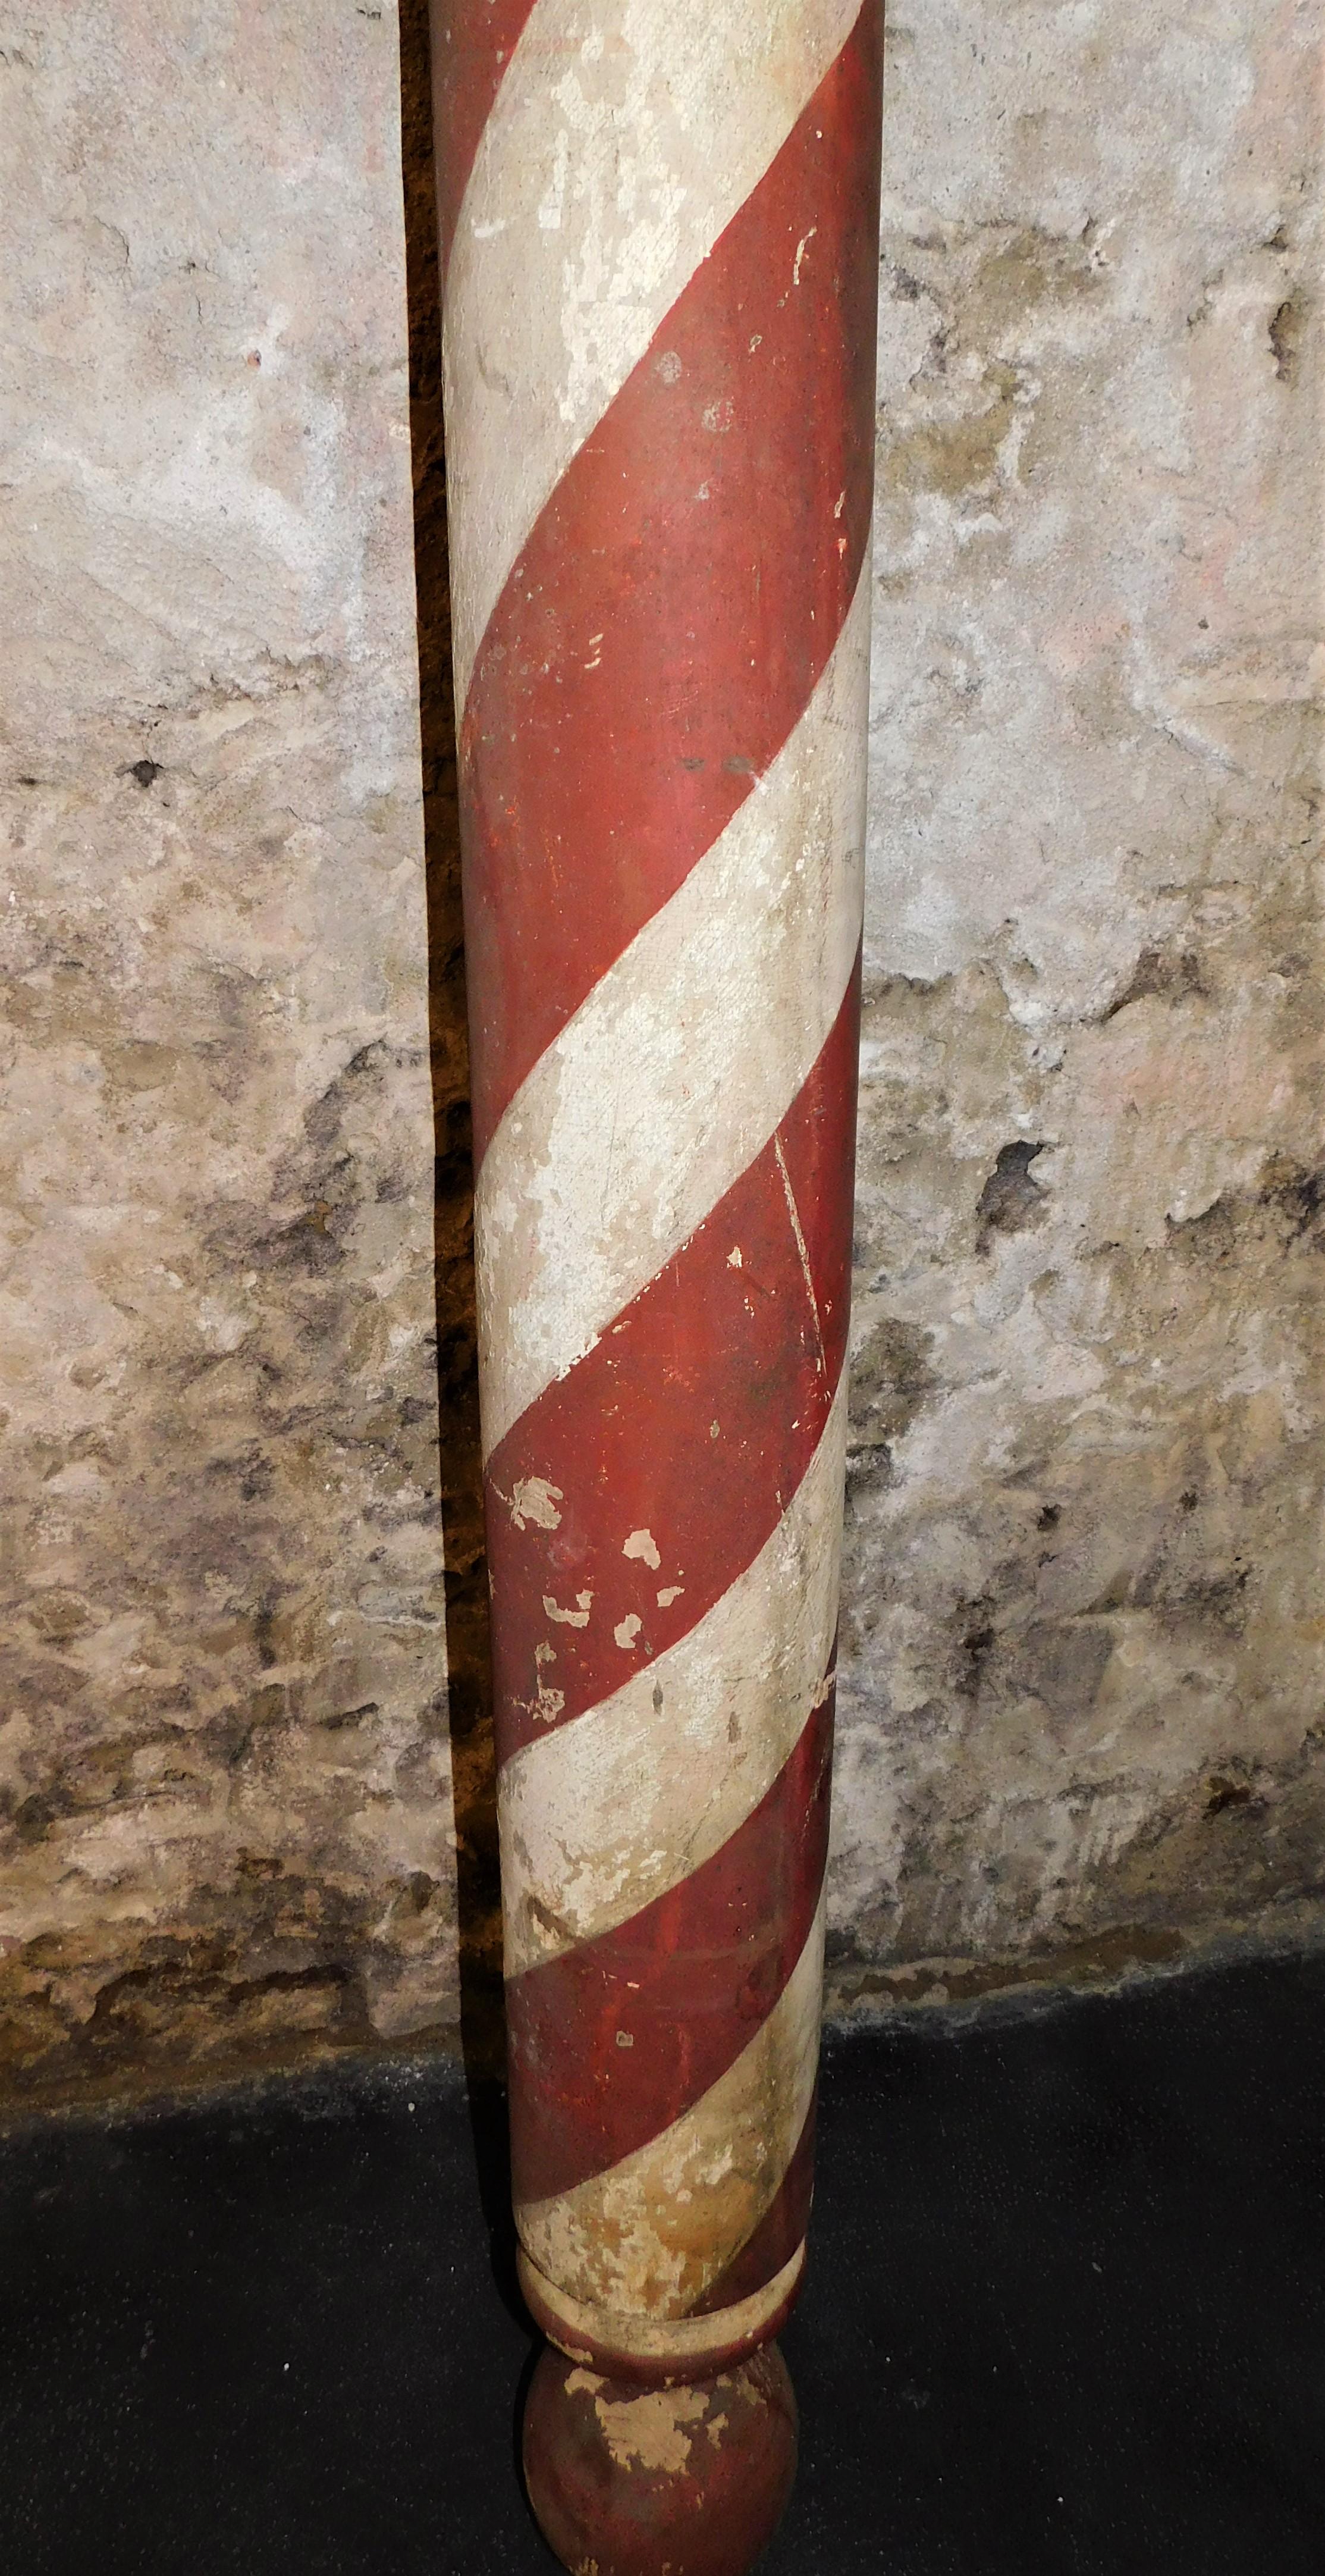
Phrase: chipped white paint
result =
(649, 2237)
(623, 1803)
(576, 1618)
(655, 2431)
(534, 1499)
(676, 1069)
(610, 164)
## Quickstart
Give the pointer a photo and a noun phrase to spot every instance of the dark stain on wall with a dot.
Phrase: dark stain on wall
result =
(1012, 1197)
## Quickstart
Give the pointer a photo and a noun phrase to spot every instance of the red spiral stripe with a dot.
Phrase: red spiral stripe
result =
(662, 591)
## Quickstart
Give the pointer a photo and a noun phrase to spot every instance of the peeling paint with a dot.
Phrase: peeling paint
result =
(655, 2431)
(576, 1618)
(534, 1499)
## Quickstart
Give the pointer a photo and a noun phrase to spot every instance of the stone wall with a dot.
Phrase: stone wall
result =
(1084, 1716)
(1081, 1702)
(223, 1754)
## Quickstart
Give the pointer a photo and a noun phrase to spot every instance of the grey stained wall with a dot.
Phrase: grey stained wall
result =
(1085, 1718)
(223, 1753)
(1082, 1718)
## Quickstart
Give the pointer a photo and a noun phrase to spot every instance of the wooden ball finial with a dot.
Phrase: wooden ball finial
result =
(689, 2480)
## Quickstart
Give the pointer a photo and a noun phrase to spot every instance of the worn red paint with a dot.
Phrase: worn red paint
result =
(688, 1980)
(680, 595)
(626, 1440)
(628, 2500)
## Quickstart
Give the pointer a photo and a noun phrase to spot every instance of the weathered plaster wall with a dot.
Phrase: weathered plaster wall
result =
(1081, 1702)
(1084, 1713)
(223, 1755)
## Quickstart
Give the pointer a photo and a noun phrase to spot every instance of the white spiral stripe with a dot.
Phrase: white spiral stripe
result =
(653, 2234)
(679, 1065)
(618, 1806)
(624, 138)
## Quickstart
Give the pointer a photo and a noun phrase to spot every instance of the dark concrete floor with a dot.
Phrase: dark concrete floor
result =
(1066, 2314)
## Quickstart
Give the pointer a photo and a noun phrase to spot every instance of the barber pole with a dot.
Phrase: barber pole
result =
(659, 244)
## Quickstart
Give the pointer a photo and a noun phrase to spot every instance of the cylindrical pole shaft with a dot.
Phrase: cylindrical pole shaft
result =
(659, 240)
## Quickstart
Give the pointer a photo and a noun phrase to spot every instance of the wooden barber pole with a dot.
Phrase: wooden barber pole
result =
(659, 243)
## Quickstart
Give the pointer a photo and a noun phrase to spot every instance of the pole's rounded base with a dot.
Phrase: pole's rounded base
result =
(690, 2480)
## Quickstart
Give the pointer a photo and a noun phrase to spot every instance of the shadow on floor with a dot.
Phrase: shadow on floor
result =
(1066, 2313)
